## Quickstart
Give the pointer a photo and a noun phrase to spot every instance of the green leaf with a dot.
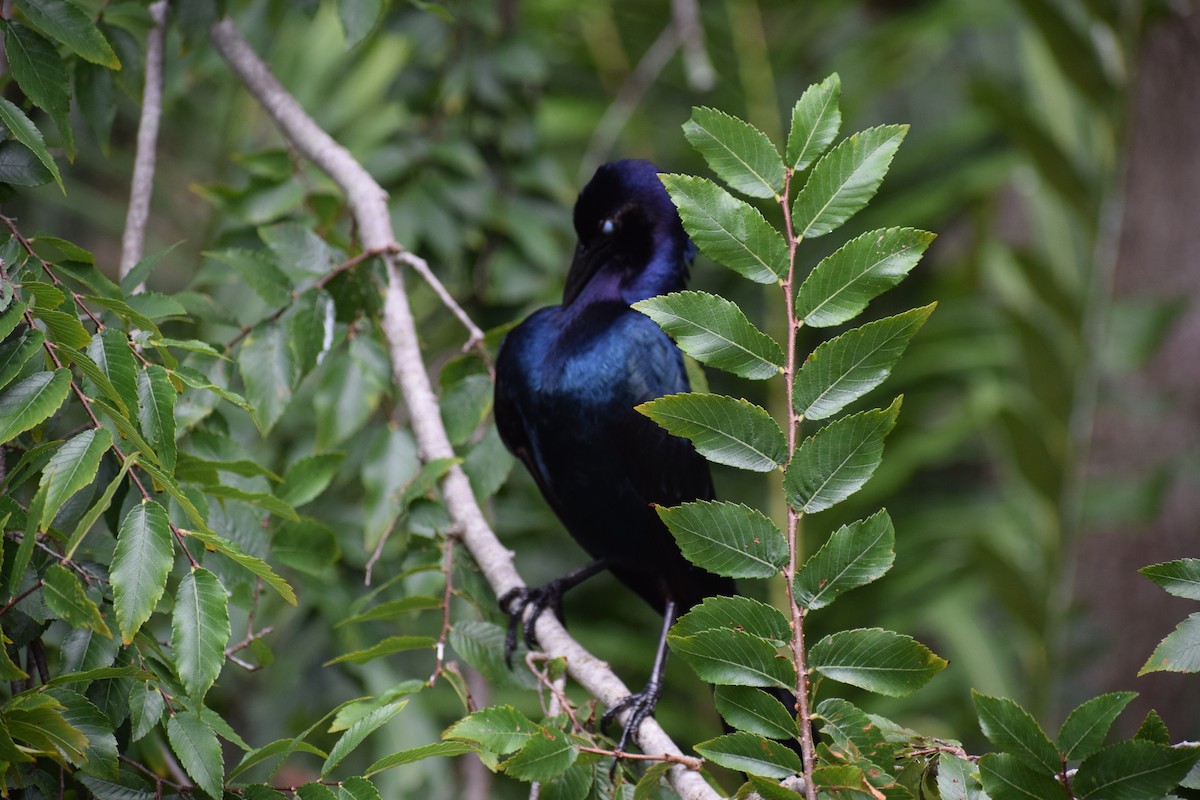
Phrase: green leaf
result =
(853, 732)
(738, 613)
(771, 790)
(853, 556)
(845, 179)
(199, 752)
(266, 501)
(126, 312)
(734, 658)
(142, 269)
(714, 331)
(66, 599)
(109, 348)
(815, 122)
(1006, 777)
(255, 565)
(877, 660)
(146, 705)
(573, 783)
(393, 609)
(751, 754)
(727, 538)
(260, 273)
(81, 714)
(359, 731)
(748, 709)
(465, 403)
(1152, 729)
(725, 430)
(391, 463)
(99, 507)
(315, 791)
(307, 545)
(140, 565)
(358, 18)
(15, 354)
(13, 316)
(156, 412)
(200, 630)
(739, 153)
(842, 284)
(70, 469)
(547, 753)
(419, 754)
(844, 369)
(1084, 730)
(31, 401)
(269, 373)
(1179, 652)
(27, 134)
(956, 779)
(20, 167)
(647, 786)
(728, 230)
(837, 460)
(1133, 770)
(358, 788)
(39, 71)
(499, 729)
(310, 324)
(1013, 730)
(390, 645)
(69, 24)
(1180, 577)
(63, 328)
(279, 748)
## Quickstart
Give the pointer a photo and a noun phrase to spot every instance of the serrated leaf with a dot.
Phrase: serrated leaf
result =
(359, 731)
(146, 705)
(734, 658)
(37, 68)
(66, 599)
(726, 538)
(101, 753)
(109, 349)
(28, 134)
(389, 646)
(72, 467)
(265, 362)
(419, 754)
(63, 327)
(393, 609)
(280, 748)
(20, 167)
(141, 562)
(200, 630)
(1084, 730)
(66, 22)
(838, 460)
(749, 709)
(853, 556)
(268, 502)
(1180, 577)
(142, 269)
(739, 153)
(12, 316)
(15, 354)
(156, 412)
(307, 477)
(815, 122)
(1179, 651)
(1133, 770)
(32, 401)
(499, 729)
(751, 754)
(357, 788)
(1153, 729)
(845, 179)
(315, 791)
(852, 732)
(728, 230)
(99, 507)
(714, 331)
(1013, 730)
(307, 545)
(842, 284)
(877, 660)
(255, 565)
(844, 369)
(547, 753)
(199, 752)
(735, 612)
(956, 779)
(1006, 777)
(260, 273)
(725, 430)
(310, 323)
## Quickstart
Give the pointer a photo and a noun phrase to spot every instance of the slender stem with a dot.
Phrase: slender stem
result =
(807, 753)
(447, 594)
(687, 761)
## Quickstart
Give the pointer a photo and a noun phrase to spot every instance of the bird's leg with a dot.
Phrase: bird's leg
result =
(537, 599)
(642, 703)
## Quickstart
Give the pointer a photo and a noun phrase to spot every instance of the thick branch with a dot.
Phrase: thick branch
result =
(133, 240)
(368, 204)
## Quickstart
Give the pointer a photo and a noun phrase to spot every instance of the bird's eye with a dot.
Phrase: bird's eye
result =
(608, 226)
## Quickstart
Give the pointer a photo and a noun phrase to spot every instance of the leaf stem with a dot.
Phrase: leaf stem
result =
(807, 749)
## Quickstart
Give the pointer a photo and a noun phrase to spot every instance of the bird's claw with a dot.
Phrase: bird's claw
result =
(535, 600)
(642, 705)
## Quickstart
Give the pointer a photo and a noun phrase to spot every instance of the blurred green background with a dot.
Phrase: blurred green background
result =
(1051, 420)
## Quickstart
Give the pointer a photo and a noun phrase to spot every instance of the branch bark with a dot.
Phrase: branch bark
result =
(133, 240)
(368, 204)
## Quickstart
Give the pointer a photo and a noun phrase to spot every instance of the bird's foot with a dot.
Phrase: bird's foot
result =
(641, 705)
(534, 600)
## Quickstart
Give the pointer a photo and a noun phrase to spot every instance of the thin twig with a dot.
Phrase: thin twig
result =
(693, 764)
(133, 240)
(699, 69)
(368, 204)
(447, 594)
(8, 606)
(475, 335)
(556, 690)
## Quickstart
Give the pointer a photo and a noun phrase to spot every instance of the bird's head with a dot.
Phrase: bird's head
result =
(630, 238)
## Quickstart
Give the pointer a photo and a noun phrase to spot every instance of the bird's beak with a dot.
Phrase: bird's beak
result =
(584, 266)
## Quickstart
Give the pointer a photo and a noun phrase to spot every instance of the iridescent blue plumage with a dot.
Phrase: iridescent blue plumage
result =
(567, 381)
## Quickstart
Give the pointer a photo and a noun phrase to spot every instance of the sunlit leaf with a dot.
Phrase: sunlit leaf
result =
(853, 556)
(1180, 577)
(753, 710)
(156, 412)
(725, 430)
(547, 753)
(877, 660)
(727, 538)
(72, 467)
(419, 754)
(195, 743)
(815, 122)
(1013, 730)
(1179, 652)
(845, 179)
(200, 630)
(739, 153)
(1133, 770)
(734, 658)
(359, 731)
(1086, 726)
(141, 562)
(31, 401)
(1007, 777)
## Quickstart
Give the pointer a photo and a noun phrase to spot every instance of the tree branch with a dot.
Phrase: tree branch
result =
(133, 240)
(368, 204)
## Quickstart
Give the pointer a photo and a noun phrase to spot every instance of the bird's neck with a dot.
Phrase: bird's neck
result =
(665, 271)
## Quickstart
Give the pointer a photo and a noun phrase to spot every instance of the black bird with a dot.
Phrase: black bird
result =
(567, 381)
